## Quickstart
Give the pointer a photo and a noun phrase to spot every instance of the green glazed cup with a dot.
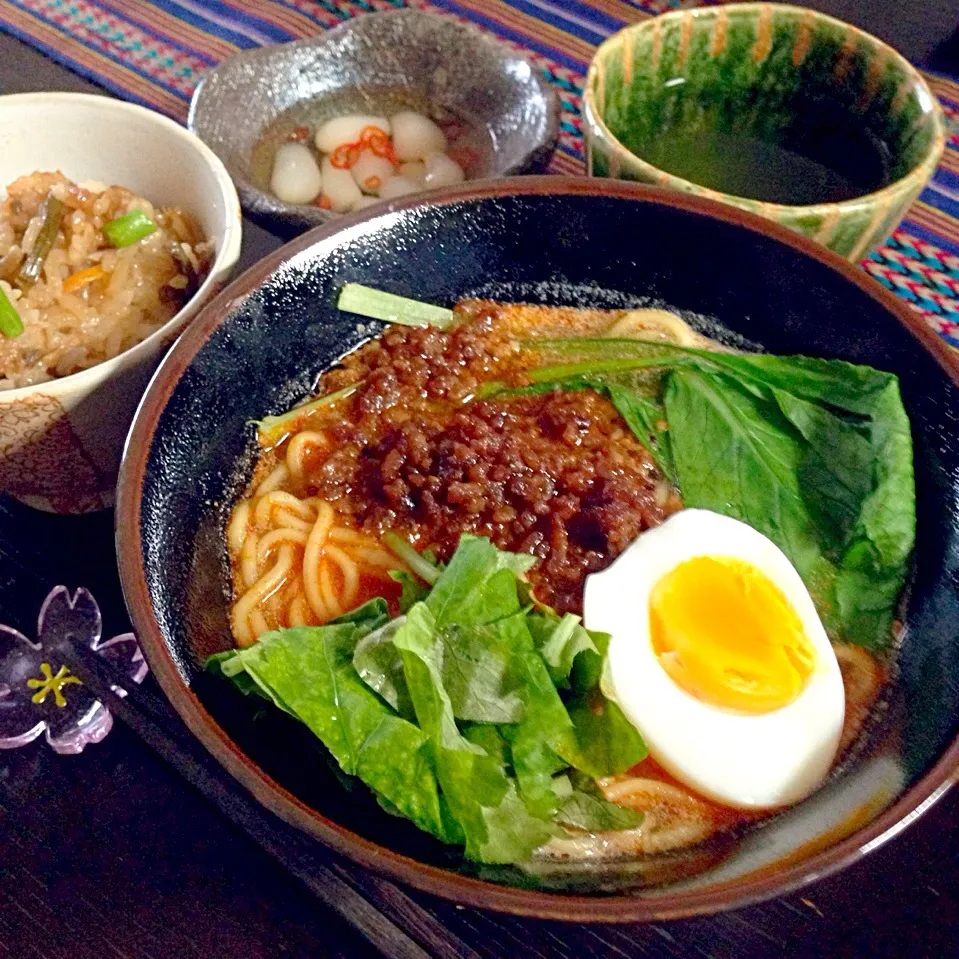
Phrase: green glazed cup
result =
(751, 70)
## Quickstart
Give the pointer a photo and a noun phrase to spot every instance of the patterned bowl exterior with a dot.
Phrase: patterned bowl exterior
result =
(742, 64)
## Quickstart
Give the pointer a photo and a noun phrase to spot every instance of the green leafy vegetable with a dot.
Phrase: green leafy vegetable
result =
(479, 585)
(309, 670)
(497, 827)
(646, 418)
(835, 493)
(373, 614)
(452, 713)
(606, 741)
(559, 641)
(735, 455)
(815, 454)
(586, 808)
(490, 740)
(479, 672)
(10, 323)
(412, 591)
(380, 666)
(543, 742)
(129, 229)
(390, 308)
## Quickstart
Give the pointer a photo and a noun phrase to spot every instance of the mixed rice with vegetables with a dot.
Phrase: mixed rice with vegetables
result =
(86, 272)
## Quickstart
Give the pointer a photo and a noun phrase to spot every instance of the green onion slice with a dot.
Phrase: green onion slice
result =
(417, 563)
(10, 323)
(272, 429)
(390, 308)
(129, 228)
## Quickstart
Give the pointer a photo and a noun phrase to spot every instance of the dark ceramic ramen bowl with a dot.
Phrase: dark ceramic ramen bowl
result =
(380, 63)
(259, 348)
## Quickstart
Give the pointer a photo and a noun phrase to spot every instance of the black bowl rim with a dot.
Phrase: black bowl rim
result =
(763, 884)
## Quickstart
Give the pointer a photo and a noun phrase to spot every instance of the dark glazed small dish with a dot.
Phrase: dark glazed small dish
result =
(370, 64)
(259, 348)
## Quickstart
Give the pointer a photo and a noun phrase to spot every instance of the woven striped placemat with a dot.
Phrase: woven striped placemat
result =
(155, 51)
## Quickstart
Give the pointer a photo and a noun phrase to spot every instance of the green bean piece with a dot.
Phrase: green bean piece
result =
(10, 323)
(129, 228)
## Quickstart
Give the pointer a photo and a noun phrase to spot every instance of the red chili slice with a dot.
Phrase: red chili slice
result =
(345, 155)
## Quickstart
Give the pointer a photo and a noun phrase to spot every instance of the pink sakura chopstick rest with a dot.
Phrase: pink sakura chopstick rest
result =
(39, 693)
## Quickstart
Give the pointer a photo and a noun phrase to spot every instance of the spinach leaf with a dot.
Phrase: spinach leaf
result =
(496, 825)
(646, 418)
(834, 490)
(835, 473)
(847, 386)
(310, 669)
(737, 455)
(873, 568)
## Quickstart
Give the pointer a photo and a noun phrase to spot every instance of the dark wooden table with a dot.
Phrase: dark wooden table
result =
(112, 854)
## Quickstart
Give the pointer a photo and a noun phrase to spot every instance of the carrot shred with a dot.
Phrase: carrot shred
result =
(82, 278)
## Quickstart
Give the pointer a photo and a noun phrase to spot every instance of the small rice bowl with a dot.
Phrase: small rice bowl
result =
(91, 301)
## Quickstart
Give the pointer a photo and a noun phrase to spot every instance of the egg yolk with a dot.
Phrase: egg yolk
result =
(725, 633)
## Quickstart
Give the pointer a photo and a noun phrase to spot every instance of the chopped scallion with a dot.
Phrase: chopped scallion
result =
(402, 550)
(390, 308)
(10, 323)
(129, 228)
(272, 429)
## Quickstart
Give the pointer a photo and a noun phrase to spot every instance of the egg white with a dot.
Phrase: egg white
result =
(744, 760)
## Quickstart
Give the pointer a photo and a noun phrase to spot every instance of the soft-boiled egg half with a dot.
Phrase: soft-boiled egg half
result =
(718, 657)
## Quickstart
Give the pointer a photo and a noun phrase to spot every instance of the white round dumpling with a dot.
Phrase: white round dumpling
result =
(442, 171)
(413, 170)
(339, 187)
(296, 176)
(347, 129)
(415, 136)
(398, 186)
(371, 171)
